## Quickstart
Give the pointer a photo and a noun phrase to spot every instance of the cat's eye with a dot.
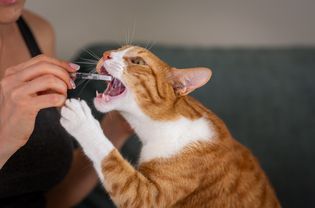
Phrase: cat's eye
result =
(138, 61)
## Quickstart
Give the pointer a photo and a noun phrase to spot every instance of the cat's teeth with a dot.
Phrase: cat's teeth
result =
(103, 96)
(97, 93)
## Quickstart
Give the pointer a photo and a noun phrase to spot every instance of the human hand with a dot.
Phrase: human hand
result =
(25, 89)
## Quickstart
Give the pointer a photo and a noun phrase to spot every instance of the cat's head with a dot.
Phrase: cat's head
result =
(143, 83)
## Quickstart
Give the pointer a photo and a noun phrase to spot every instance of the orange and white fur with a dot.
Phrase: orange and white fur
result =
(188, 158)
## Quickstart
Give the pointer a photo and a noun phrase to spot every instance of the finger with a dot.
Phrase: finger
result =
(43, 68)
(44, 83)
(48, 100)
(42, 58)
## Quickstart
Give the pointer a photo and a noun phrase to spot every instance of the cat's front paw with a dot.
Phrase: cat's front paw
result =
(77, 119)
(75, 115)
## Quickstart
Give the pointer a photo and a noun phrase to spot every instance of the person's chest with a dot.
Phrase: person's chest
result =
(42, 162)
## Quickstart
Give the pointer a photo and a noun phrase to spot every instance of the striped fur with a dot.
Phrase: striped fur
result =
(216, 171)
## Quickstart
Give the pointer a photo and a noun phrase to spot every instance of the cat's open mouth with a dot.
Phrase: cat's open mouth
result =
(114, 87)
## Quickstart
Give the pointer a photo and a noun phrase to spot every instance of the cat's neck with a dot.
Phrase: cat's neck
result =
(166, 138)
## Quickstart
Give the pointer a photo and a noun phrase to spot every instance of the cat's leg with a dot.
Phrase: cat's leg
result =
(77, 119)
(155, 184)
(151, 186)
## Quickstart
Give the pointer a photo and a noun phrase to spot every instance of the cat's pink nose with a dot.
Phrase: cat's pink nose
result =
(106, 56)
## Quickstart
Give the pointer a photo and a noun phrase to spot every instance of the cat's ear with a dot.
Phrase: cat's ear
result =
(185, 81)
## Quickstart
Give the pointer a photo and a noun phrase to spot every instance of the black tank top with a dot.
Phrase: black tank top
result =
(43, 161)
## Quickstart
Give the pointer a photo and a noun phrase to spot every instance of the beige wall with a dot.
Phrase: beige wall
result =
(179, 22)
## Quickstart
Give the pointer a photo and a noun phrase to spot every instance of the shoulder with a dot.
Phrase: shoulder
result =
(43, 32)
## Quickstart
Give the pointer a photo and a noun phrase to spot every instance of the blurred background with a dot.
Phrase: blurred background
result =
(262, 54)
(248, 23)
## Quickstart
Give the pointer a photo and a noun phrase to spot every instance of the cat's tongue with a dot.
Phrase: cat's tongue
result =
(115, 88)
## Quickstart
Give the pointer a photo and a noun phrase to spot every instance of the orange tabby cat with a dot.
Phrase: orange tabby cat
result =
(188, 158)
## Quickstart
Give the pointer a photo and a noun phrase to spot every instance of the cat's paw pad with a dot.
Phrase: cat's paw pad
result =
(75, 114)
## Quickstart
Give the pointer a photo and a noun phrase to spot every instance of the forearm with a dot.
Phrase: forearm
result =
(78, 183)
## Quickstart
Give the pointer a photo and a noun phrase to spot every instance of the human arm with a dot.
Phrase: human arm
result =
(77, 184)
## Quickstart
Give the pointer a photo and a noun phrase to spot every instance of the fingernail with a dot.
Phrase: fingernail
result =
(72, 84)
(74, 66)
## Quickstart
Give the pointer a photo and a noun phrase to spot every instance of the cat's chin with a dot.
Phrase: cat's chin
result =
(105, 103)
(103, 107)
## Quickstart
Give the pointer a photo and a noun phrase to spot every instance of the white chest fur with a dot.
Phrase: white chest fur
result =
(167, 138)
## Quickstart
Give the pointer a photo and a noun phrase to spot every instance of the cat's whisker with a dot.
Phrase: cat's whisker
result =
(85, 63)
(95, 58)
(153, 43)
(95, 55)
(133, 32)
(90, 60)
(128, 40)
(92, 54)
(119, 43)
(91, 70)
(147, 44)
(80, 83)
(83, 87)
(117, 64)
(116, 67)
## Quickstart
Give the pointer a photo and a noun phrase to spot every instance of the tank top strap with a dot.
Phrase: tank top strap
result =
(28, 37)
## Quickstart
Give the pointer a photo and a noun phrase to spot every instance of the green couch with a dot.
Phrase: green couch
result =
(267, 99)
